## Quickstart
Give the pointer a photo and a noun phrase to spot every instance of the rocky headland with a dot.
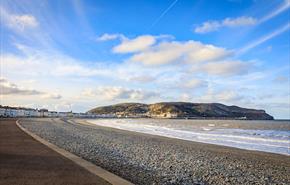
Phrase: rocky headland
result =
(182, 110)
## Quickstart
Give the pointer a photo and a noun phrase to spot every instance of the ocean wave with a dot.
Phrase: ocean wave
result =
(274, 141)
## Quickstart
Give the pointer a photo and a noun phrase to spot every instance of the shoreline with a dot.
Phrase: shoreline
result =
(146, 159)
(209, 145)
(254, 136)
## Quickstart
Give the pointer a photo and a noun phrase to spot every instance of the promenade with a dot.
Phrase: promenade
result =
(24, 160)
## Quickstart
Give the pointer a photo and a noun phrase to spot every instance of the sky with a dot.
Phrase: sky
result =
(76, 55)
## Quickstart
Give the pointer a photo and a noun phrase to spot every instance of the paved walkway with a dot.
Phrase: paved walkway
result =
(24, 160)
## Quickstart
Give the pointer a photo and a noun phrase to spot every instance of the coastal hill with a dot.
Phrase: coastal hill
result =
(182, 110)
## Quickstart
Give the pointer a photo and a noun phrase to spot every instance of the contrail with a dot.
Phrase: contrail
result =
(163, 13)
(284, 6)
(264, 39)
(276, 12)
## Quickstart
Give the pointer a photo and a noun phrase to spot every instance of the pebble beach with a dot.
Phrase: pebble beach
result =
(149, 159)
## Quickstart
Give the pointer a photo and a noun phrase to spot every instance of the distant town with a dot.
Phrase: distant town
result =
(12, 112)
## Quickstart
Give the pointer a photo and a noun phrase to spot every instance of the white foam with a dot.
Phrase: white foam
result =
(274, 141)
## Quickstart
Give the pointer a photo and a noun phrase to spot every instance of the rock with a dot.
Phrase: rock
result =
(181, 110)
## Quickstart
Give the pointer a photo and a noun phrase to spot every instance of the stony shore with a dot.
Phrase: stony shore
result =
(147, 159)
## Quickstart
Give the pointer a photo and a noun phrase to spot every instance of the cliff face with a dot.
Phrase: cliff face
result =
(183, 110)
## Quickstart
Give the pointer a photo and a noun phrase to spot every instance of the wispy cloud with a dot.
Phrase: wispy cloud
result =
(55, 64)
(227, 68)
(18, 22)
(163, 13)
(119, 93)
(284, 6)
(281, 79)
(107, 37)
(194, 83)
(142, 79)
(227, 96)
(211, 26)
(52, 96)
(264, 39)
(214, 25)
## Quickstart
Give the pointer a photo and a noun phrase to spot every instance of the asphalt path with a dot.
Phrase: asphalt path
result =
(24, 160)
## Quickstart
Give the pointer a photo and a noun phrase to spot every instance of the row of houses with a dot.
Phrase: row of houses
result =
(7, 111)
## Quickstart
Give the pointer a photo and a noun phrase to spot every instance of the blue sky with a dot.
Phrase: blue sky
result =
(76, 54)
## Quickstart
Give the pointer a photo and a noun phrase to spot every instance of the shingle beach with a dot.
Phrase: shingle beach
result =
(148, 159)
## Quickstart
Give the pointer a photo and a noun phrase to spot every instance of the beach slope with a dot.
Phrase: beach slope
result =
(148, 159)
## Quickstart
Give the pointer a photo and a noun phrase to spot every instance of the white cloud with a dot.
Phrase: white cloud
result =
(24, 21)
(8, 88)
(62, 106)
(169, 52)
(75, 69)
(119, 93)
(107, 37)
(204, 52)
(134, 45)
(18, 22)
(69, 76)
(226, 68)
(48, 64)
(240, 21)
(194, 83)
(162, 54)
(185, 97)
(281, 79)
(52, 96)
(114, 81)
(39, 64)
(208, 26)
(211, 26)
(142, 78)
(225, 96)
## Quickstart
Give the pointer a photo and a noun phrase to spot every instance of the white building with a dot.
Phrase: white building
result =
(63, 114)
(30, 112)
(43, 112)
(6, 111)
(52, 114)
(2, 112)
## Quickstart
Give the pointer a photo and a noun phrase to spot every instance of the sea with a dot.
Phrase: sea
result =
(269, 136)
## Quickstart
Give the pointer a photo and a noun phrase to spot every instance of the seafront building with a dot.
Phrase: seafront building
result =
(12, 112)
(7, 111)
